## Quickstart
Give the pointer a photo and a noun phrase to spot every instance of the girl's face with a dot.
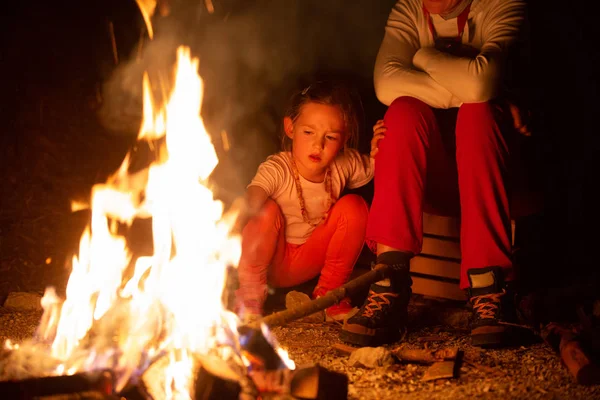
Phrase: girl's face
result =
(317, 136)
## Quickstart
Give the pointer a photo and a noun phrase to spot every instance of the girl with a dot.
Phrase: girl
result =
(298, 225)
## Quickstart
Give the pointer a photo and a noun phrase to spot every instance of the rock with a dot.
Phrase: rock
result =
(24, 301)
(294, 299)
(371, 357)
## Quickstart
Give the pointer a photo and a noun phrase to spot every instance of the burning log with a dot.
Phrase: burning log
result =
(308, 382)
(213, 378)
(218, 379)
(99, 383)
(216, 383)
(332, 297)
(257, 349)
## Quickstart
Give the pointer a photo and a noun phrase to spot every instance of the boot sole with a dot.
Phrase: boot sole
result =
(490, 340)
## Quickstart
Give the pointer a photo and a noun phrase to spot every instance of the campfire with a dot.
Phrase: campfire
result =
(155, 326)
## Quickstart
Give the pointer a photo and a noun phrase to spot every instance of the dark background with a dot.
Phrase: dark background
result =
(69, 113)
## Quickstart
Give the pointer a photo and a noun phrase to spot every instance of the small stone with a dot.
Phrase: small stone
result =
(23, 301)
(294, 299)
(371, 357)
(458, 318)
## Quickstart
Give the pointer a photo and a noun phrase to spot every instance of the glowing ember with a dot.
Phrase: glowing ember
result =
(171, 305)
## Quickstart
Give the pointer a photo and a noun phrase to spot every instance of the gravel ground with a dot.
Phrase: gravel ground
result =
(534, 372)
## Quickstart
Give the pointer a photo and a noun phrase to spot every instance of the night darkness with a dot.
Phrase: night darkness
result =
(56, 142)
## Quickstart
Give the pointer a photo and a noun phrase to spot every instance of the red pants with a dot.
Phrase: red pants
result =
(416, 167)
(331, 250)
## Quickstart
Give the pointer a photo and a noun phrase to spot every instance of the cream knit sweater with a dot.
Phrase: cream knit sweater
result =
(409, 65)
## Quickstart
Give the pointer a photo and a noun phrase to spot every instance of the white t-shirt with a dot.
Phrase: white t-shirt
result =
(275, 176)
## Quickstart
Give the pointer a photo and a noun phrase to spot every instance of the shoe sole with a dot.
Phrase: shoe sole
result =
(381, 337)
(341, 317)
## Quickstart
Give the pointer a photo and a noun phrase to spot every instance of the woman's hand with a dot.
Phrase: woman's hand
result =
(378, 134)
(520, 119)
(455, 48)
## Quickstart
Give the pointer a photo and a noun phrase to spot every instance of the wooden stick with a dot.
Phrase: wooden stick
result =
(344, 348)
(380, 272)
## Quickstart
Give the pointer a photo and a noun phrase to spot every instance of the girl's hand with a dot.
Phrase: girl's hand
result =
(378, 134)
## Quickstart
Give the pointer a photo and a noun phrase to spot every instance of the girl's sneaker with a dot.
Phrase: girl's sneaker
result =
(337, 312)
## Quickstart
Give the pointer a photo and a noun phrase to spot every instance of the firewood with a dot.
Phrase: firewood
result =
(317, 383)
(100, 382)
(425, 356)
(214, 378)
(421, 356)
(564, 341)
(440, 370)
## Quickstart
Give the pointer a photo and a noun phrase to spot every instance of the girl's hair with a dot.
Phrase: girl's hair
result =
(330, 93)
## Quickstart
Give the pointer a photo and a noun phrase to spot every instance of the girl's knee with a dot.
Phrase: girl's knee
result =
(352, 206)
(268, 216)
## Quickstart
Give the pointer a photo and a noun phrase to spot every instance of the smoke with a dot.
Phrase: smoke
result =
(252, 54)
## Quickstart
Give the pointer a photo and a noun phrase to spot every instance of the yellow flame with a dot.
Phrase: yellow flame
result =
(147, 8)
(124, 311)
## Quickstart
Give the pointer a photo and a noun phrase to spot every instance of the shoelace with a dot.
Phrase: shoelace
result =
(376, 302)
(487, 309)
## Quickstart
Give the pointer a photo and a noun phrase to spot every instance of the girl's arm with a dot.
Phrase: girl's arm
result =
(266, 183)
(360, 169)
(254, 199)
